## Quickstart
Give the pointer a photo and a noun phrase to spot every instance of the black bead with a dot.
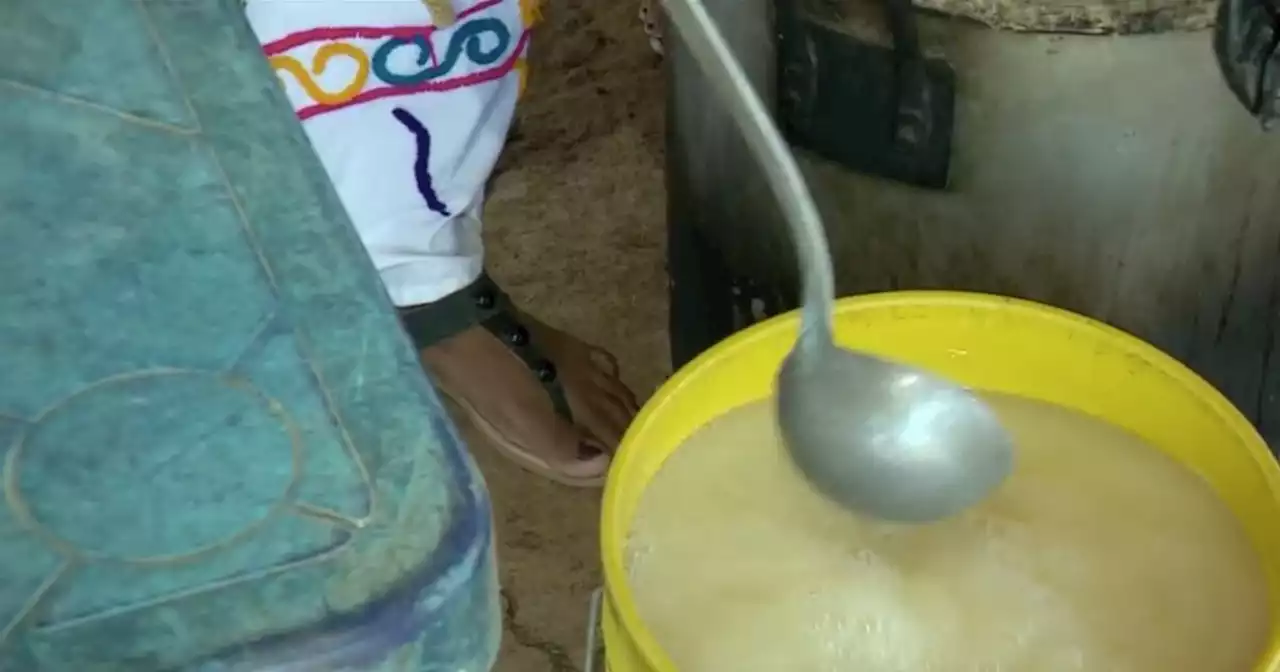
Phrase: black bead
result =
(485, 299)
(518, 336)
(546, 372)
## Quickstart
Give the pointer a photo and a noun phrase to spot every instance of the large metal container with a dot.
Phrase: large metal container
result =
(1114, 175)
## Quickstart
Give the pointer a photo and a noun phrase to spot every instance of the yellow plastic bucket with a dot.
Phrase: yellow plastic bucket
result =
(989, 343)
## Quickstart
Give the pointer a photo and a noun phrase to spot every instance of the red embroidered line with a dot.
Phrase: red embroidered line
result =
(434, 85)
(298, 39)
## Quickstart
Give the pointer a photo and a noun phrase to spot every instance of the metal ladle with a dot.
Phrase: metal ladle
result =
(878, 437)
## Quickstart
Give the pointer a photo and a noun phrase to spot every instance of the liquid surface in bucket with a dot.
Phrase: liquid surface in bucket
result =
(1100, 553)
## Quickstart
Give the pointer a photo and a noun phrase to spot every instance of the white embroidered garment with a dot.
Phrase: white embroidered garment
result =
(407, 118)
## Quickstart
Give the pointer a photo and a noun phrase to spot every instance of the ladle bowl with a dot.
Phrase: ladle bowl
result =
(887, 439)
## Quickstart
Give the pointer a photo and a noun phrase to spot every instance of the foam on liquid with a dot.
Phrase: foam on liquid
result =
(1099, 554)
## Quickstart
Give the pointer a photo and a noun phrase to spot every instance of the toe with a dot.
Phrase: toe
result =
(612, 385)
(591, 461)
(607, 411)
(605, 361)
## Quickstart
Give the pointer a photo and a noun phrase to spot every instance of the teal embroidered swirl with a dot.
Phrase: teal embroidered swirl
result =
(467, 37)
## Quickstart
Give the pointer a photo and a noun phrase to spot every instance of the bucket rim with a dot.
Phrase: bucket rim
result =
(613, 530)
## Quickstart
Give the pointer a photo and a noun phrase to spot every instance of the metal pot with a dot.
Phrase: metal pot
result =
(1112, 173)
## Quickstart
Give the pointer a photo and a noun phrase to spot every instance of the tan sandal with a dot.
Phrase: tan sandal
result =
(482, 302)
(528, 461)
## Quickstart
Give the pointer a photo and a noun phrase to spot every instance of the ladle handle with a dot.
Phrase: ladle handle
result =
(700, 35)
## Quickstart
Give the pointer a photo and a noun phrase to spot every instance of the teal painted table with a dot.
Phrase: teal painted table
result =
(220, 451)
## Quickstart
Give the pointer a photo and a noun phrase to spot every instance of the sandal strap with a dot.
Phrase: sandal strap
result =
(483, 302)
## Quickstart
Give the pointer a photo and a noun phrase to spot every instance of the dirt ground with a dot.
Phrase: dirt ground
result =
(575, 233)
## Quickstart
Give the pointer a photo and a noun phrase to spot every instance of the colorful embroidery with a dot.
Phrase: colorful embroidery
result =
(468, 38)
(308, 83)
(470, 47)
(422, 162)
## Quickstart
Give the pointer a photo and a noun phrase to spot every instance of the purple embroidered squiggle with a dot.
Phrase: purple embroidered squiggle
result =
(421, 164)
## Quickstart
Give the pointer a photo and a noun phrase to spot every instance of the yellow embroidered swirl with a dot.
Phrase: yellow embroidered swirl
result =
(305, 79)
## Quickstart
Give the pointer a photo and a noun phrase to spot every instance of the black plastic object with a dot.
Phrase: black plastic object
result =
(702, 309)
(1245, 38)
(885, 112)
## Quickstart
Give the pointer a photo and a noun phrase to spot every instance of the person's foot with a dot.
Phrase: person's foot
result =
(508, 403)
